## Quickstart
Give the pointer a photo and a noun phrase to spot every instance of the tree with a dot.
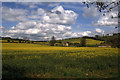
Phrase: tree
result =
(83, 42)
(103, 6)
(52, 41)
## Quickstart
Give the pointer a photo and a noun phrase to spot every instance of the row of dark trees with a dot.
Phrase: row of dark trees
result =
(19, 41)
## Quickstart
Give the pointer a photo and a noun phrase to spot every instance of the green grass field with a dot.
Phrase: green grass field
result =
(42, 61)
(88, 41)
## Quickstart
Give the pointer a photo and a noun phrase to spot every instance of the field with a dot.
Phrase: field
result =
(42, 61)
(88, 41)
(74, 40)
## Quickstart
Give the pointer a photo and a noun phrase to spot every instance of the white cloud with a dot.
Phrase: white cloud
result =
(3, 32)
(54, 23)
(41, 31)
(40, 11)
(60, 16)
(90, 12)
(35, 29)
(10, 14)
(107, 20)
(99, 30)
(21, 15)
(36, 15)
(80, 34)
(85, 33)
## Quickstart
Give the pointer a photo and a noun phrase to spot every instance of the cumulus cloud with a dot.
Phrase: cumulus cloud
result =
(107, 20)
(3, 32)
(90, 12)
(36, 15)
(60, 16)
(42, 25)
(53, 23)
(21, 15)
(35, 29)
(85, 33)
(12, 15)
(99, 30)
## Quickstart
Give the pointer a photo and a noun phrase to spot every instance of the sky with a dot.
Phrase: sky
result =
(42, 20)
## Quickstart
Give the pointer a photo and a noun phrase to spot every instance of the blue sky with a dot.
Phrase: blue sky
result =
(73, 20)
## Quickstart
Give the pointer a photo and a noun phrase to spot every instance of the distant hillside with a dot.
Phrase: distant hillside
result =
(12, 40)
(71, 40)
(77, 40)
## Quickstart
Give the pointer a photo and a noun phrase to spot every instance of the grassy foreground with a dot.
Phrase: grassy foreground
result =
(37, 61)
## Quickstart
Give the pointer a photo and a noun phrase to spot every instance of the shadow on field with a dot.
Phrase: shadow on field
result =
(12, 71)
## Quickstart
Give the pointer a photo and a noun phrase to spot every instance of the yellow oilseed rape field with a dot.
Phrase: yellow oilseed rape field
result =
(21, 60)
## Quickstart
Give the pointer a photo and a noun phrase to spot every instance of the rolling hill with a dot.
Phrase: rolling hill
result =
(77, 40)
(70, 40)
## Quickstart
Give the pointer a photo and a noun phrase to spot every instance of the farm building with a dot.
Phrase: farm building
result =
(65, 44)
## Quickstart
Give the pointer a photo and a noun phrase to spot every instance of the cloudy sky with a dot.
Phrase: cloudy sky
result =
(41, 21)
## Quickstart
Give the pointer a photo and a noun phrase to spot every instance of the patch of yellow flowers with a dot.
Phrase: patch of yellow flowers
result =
(88, 52)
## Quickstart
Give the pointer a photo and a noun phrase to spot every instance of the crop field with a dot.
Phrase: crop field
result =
(41, 61)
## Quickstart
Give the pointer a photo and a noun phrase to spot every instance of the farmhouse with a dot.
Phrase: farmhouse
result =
(65, 44)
